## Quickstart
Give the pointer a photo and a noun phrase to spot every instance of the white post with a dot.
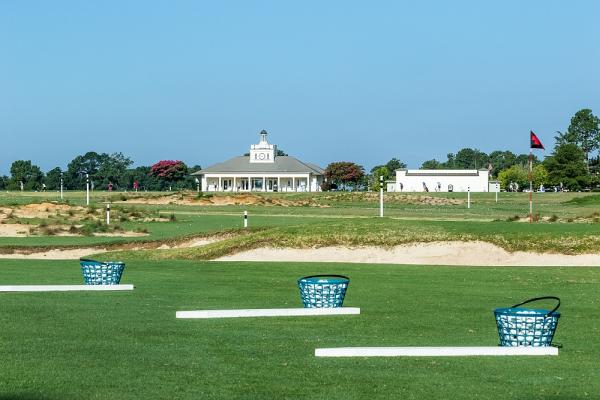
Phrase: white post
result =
(293, 184)
(108, 214)
(219, 188)
(245, 219)
(381, 196)
(87, 189)
(497, 190)
(279, 184)
(61, 187)
(234, 188)
(530, 185)
(264, 184)
(468, 197)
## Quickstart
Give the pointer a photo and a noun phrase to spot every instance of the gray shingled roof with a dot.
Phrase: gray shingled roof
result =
(282, 164)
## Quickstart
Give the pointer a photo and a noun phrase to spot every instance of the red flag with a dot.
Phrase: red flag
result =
(535, 142)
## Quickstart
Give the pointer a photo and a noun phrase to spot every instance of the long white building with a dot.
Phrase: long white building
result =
(440, 180)
(262, 170)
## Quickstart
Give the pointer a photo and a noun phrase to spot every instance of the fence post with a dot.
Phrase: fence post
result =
(468, 197)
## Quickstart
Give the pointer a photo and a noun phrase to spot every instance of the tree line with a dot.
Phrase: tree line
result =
(102, 170)
(571, 165)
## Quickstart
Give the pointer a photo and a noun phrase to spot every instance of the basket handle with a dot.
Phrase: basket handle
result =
(89, 260)
(322, 275)
(541, 298)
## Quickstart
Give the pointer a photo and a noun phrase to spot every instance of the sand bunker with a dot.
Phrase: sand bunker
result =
(58, 254)
(74, 254)
(38, 210)
(242, 199)
(435, 253)
(23, 230)
(14, 230)
(191, 243)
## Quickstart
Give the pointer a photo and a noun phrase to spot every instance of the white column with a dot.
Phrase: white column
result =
(293, 184)
(264, 185)
(308, 182)
(234, 184)
(249, 184)
(279, 184)
(219, 187)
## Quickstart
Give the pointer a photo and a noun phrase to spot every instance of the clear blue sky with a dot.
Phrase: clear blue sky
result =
(330, 80)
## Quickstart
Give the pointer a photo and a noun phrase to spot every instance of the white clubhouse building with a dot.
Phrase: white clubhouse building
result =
(263, 170)
(440, 180)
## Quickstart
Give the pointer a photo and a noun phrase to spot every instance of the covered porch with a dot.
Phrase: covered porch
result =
(257, 184)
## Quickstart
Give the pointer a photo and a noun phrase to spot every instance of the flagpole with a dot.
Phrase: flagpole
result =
(530, 185)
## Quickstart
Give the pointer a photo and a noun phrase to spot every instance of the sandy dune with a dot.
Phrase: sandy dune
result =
(436, 253)
(58, 254)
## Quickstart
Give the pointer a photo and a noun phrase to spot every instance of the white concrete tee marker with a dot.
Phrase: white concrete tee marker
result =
(63, 288)
(435, 351)
(268, 312)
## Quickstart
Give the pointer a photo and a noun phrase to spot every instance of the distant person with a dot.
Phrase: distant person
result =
(43, 187)
(110, 186)
(425, 188)
(22, 185)
(136, 185)
(401, 186)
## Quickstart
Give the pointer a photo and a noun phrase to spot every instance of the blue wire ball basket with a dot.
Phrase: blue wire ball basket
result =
(527, 327)
(101, 272)
(323, 291)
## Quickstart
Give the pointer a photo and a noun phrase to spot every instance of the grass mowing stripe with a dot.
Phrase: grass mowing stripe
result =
(130, 346)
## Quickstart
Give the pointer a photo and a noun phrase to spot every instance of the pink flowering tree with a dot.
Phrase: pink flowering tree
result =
(169, 170)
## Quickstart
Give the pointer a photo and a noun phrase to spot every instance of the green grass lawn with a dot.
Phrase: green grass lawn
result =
(349, 219)
(128, 345)
(184, 226)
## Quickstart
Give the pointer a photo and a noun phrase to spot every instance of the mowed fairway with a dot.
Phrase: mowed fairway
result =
(130, 346)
